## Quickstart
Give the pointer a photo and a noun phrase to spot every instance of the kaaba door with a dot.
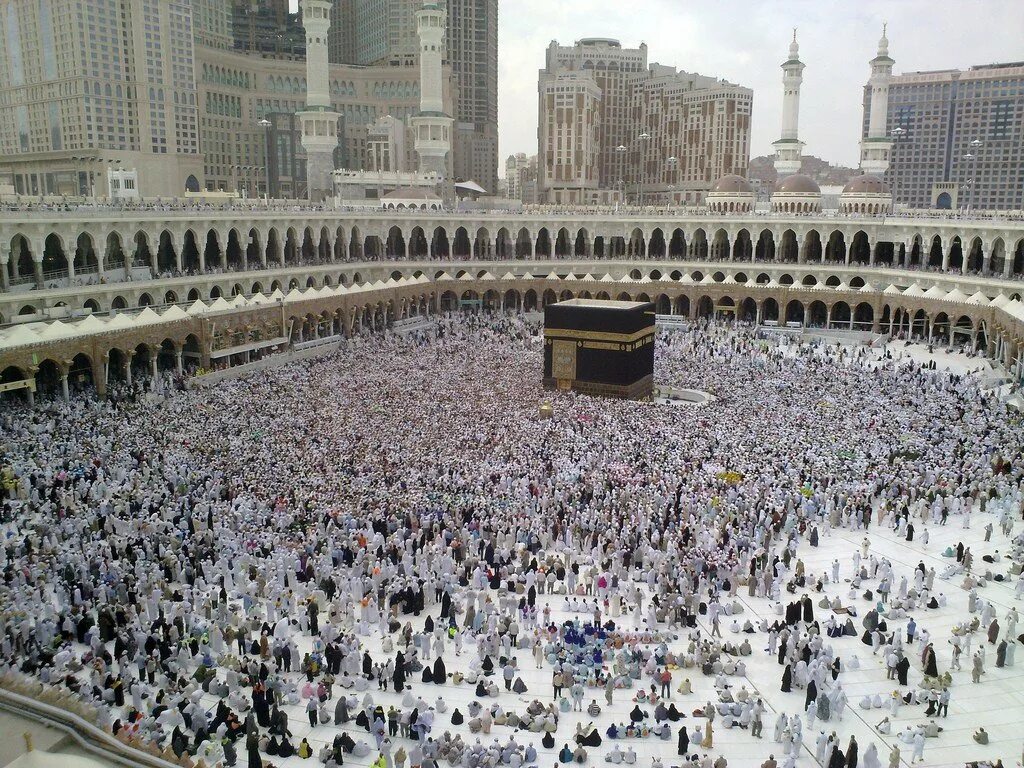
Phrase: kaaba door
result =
(563, 363)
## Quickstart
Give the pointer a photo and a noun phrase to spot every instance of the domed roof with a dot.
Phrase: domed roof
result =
(798, 184)
(866, 184)
(731, 183)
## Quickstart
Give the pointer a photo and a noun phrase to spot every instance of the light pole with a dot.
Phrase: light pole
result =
(673, 165)
(972, 158)
(897, 134)
(265, 125)
(621, 152)
(643, 138)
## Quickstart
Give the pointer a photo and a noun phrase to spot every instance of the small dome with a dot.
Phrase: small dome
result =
(798, 184)
(866, 184)
(731, 184)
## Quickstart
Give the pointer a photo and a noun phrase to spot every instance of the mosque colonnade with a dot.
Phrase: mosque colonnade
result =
(230, 338)
(71, 250)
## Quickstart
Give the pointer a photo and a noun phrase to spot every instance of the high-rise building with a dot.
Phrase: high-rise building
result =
(384, 33)
(960, 137)
(86, 87)
(213, 23)
(519, 168)
(266, 27)
(612, 126)
(238, 90)
(473, 53)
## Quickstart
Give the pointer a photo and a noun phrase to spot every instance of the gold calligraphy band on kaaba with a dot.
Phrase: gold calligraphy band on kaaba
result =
(567, 333)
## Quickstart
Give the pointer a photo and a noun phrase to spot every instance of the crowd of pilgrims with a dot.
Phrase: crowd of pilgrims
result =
(352, 539)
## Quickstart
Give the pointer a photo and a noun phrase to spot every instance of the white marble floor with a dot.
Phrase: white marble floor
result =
(997, 702)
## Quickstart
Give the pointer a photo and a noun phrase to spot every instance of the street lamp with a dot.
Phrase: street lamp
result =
(621, 152)
(897, 134)
(972, 158)
(265, 125)
(643, 138)
(673, 164)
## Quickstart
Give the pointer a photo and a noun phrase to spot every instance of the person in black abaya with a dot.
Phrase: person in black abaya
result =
(837, 759)
(547, 741)
(851, 753)
(787, 679)
(902, 668)
(808, 609)
(488, 665)
(782, 653)
(1001, 654)
(399, 674)
(684, 741)
(367, 666)
(931, 668)
(252, 751)
(440, 673)
(812, 694)
(910, 531)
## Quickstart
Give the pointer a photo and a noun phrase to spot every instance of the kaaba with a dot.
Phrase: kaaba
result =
(600, 347)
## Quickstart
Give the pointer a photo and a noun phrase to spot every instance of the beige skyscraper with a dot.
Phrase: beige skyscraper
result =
(86, 87)
(612, 126)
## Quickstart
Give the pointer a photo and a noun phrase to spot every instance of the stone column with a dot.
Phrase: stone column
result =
(37, 266)
(1007, 264)
(945, 256)
(64, 389)
(872, 252)
(128, 366)
(5, 283)
(179, 355)
(986, 258)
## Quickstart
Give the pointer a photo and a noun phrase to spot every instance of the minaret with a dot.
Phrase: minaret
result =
(432, 126)
(789, 148)
(876, 149)
(319, 121)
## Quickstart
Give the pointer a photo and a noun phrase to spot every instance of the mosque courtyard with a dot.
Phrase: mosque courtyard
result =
(403, 488)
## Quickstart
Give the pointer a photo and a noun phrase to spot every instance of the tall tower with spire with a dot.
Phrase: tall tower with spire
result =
(789, 148)
(876, 149)
(432, 127)
(319, 122)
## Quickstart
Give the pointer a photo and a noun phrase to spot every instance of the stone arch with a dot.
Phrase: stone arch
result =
(935, 252)
(581, 246)
(812, 250)
(656, 247)
(189, 253)
(213, 251)
(705, 307)
(795, 312)
(764, 250)
(677, 244)
(523, 244)
(20, 266)
(543, 244)
(743, 247)
(563, 246)
(817, 314)
(770, 311)
(482, 244)
(441, 247)
(860, 249)
(394, 247)
(253, 250)
(233, 252)
(720, 247)
(55, 260)
(840, 315)
(864, 316)
(835, 248)
(746, 312)
(418, 247)
(789, 250)
(85, 260)
(698, 245)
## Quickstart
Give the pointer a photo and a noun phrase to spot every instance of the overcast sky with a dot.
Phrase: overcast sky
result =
(745, 41)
